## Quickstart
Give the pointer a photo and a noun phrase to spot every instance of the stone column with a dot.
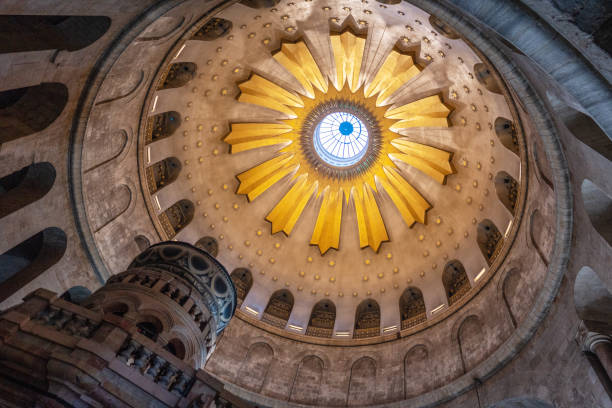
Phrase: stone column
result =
(601, 346)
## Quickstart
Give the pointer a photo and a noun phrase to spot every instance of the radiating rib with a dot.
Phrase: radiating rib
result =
(348, 53)
(288, 210)
(326, 233)
(409, 202)
(260, 91)
(247, 136)
(396, 71)
(372, 231)
(298, 60)
(426, 112)
(430, 160)
(255, 181)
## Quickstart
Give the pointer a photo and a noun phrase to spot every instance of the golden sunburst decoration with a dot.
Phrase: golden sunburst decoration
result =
(312, 175)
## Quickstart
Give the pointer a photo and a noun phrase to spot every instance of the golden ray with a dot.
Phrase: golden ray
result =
(372, 231)
(288, 210)
(396, 71)
(426, 112)
(348, 53)
(326, 232)
(247, 136)
(255, 181)
(297, 59)
(430, 160)
(411, 205)
(260, 91)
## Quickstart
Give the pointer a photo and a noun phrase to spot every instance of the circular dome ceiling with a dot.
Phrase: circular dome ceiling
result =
(345, 154)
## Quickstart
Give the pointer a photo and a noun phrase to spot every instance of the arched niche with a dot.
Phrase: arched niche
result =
(471, 341)
(21, 33)
(213, 29)
(243, 281)
(25, 186)
(76, 294)
(116, 308)
(443, 28)
(322, 319)
(455, 281)
(511, 294)
(543, 167)
(179, 74)
(29, 110)
(367, 319)
(208, 244)
(260, 4)
(108, 204)
(255, 367)
(485, 77)
(177, 217)
(412, 307)
(142, 242)
(593, 301)
(307, 384)
(489, 240)
(507, 189)
(362, 382)
(177, 348)
(162, 125)
(279, 308)
(150, 326)
(163, 173)
(29, 259)
(584, 128)
(416, 362)
(598, 206)
(390, 2)
(507, 135)
(521, 402)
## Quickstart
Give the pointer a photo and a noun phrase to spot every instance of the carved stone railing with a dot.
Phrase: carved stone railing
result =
(365, 333)
(61, 319)
(274, 321)
(319, 331)
(459, 293)
(414, 320)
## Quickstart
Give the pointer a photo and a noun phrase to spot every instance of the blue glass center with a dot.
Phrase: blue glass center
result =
(346, 128)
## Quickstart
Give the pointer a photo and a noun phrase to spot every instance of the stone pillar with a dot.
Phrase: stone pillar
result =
(601, 346)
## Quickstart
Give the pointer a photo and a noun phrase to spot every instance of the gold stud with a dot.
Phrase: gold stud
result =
(332, 263)
(396, 270)
(259, 252)
(332, 279)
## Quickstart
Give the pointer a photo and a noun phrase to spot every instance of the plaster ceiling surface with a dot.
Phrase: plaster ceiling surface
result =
(317, 232)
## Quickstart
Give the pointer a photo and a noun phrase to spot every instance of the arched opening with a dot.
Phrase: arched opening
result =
(213, 29)
(162, 125)
(322, 319)
(150, 327)
(26, 261)
(177, 217)
(307, 384)
(208, 244)
(25, 186)
(163, 173)
(21, 33)
(443, 28)
(455, 281)
(179, 74)
(593, 301)
(598, 206)
(412, 307)
(243, 280)
(489, 240)
(279, 308)
(259, 4)
(506, 133)
(507, 188)
(76, 294)
(142, 242)
(176, 348)
(485, 77)
(584, 128)
(25, 111)
(367, 320)
(362, 383)
(117, 309)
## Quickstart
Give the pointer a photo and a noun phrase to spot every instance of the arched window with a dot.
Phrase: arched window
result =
(489, 240)
(21, 33)
(179, 74)
(486, 78)
(25, 186)
(117, 309)
(585, 129)
(26, 261)
(367, 319)
(177, 217)
(176, 347)
(279, 308)
(163, 173)
(322, 319)
(443, 28)
(25, 111)
(213, 29)
(162, 125)
(598, 206)
(243, 280)
(150, 327)
(507, 190)
(506, 133)
(412, 307)
(76, 294)
(455, 281)
(208, 244)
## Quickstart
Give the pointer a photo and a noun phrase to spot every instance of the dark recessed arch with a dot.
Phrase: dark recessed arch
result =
(29, 110)
(162, 125)
(163, 173)
(260, 4)
(21, 33)
(208, 244)
(585, 129)
(485, 77)
(142, 242)
(367, 319)
(455, 281)
(598, 206)
(322, 319)
(177, 217)
(179, 74)
(489, 240)
(214, 28)
(150, 326)
(29, 259)
(507, 134)
(243, 281)
(412, 307)
(507, 189)
(25, 186)
(443, 28)
(76, 294)
(177, 348)
(279, 308)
